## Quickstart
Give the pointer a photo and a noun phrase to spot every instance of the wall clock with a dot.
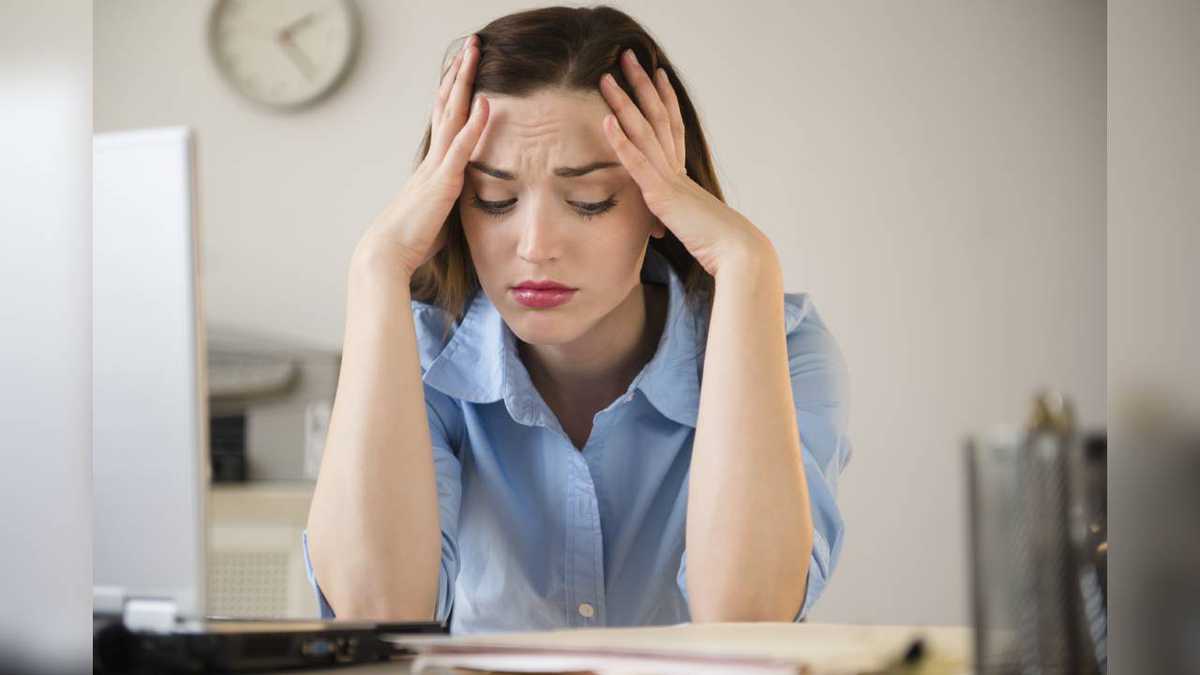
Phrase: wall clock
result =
(284, 54)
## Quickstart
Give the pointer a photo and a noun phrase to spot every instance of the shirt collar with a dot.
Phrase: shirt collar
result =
(481, 364)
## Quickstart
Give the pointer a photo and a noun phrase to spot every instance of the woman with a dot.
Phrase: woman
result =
(508, 458)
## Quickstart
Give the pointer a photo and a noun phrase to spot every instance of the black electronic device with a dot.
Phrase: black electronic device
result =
(245, 645)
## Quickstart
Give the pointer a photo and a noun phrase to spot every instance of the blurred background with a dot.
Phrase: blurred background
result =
(983, 198)
(932, 173)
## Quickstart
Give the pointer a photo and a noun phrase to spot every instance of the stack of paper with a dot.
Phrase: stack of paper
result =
(726, 648)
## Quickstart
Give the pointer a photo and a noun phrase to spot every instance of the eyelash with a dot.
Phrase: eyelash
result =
(495, 209)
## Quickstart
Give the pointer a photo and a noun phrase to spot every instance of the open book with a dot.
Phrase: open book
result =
(726, 648)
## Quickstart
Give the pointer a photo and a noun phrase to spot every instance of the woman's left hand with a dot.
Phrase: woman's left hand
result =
(653, 153)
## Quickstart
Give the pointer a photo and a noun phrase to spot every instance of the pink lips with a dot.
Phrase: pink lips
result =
(542, 294)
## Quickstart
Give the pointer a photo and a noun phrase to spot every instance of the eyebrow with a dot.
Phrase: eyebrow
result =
(562, 171)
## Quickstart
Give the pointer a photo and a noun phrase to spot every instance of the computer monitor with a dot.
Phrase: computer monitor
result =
(150, 437)
(150, 404)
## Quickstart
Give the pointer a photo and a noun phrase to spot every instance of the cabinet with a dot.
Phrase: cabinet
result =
(255, 561)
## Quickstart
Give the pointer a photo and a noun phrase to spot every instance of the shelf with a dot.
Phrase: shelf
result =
(267, 502)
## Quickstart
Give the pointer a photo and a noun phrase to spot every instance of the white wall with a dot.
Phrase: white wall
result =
(45, 337)
(932, 172)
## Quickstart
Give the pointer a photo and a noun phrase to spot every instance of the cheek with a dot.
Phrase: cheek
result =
(635, 215)
(485, 243)
(614, 259)
(628, 233)
(474, 224)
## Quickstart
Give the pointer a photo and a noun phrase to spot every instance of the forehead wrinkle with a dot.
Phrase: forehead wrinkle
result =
(530, 136)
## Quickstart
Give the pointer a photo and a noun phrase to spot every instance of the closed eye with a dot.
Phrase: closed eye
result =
(587, 210)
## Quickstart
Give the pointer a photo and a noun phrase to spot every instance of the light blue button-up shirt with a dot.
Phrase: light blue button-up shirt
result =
(537, 534)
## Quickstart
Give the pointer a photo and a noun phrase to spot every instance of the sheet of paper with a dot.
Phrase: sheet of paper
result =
(595, 663)
(825, 649)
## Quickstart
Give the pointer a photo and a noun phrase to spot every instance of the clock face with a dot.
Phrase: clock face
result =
(283, 53)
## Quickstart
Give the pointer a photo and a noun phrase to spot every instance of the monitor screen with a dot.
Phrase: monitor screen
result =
(149, 427)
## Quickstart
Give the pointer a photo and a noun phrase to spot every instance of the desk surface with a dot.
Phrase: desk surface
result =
(830, 649)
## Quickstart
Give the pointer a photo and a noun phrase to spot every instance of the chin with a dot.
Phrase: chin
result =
(542, 327)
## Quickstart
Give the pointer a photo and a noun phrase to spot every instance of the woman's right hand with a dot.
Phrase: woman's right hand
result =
(408, 232)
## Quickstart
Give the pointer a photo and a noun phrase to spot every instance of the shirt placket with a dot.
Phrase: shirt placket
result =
(585, 542)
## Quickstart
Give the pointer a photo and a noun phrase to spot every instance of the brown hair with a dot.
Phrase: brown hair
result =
(569, 48)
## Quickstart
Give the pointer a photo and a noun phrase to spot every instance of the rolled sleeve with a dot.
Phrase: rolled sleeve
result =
(442, 412)
(819, 391)
(322, 604)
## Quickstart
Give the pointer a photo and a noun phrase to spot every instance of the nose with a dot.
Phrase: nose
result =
(540, 239)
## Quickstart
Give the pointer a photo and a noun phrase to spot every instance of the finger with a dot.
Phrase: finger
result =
(444, 114)
(467, 138)
(455, 113)
(648, 177)
(667, 92)
(651, 104)
(635, 126)
(443, 91)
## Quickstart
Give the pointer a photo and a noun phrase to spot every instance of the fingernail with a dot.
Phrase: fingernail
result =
(467, 42)
(629, 55)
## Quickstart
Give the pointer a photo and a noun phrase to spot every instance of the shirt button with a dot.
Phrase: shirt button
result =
(586, 610)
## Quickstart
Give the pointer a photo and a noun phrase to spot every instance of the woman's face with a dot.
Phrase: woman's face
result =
(588, 232)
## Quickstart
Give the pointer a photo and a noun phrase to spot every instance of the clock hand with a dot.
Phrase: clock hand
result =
(303, 63)
(287, 30)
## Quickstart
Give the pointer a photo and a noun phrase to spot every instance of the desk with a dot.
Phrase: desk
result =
(831, 649)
